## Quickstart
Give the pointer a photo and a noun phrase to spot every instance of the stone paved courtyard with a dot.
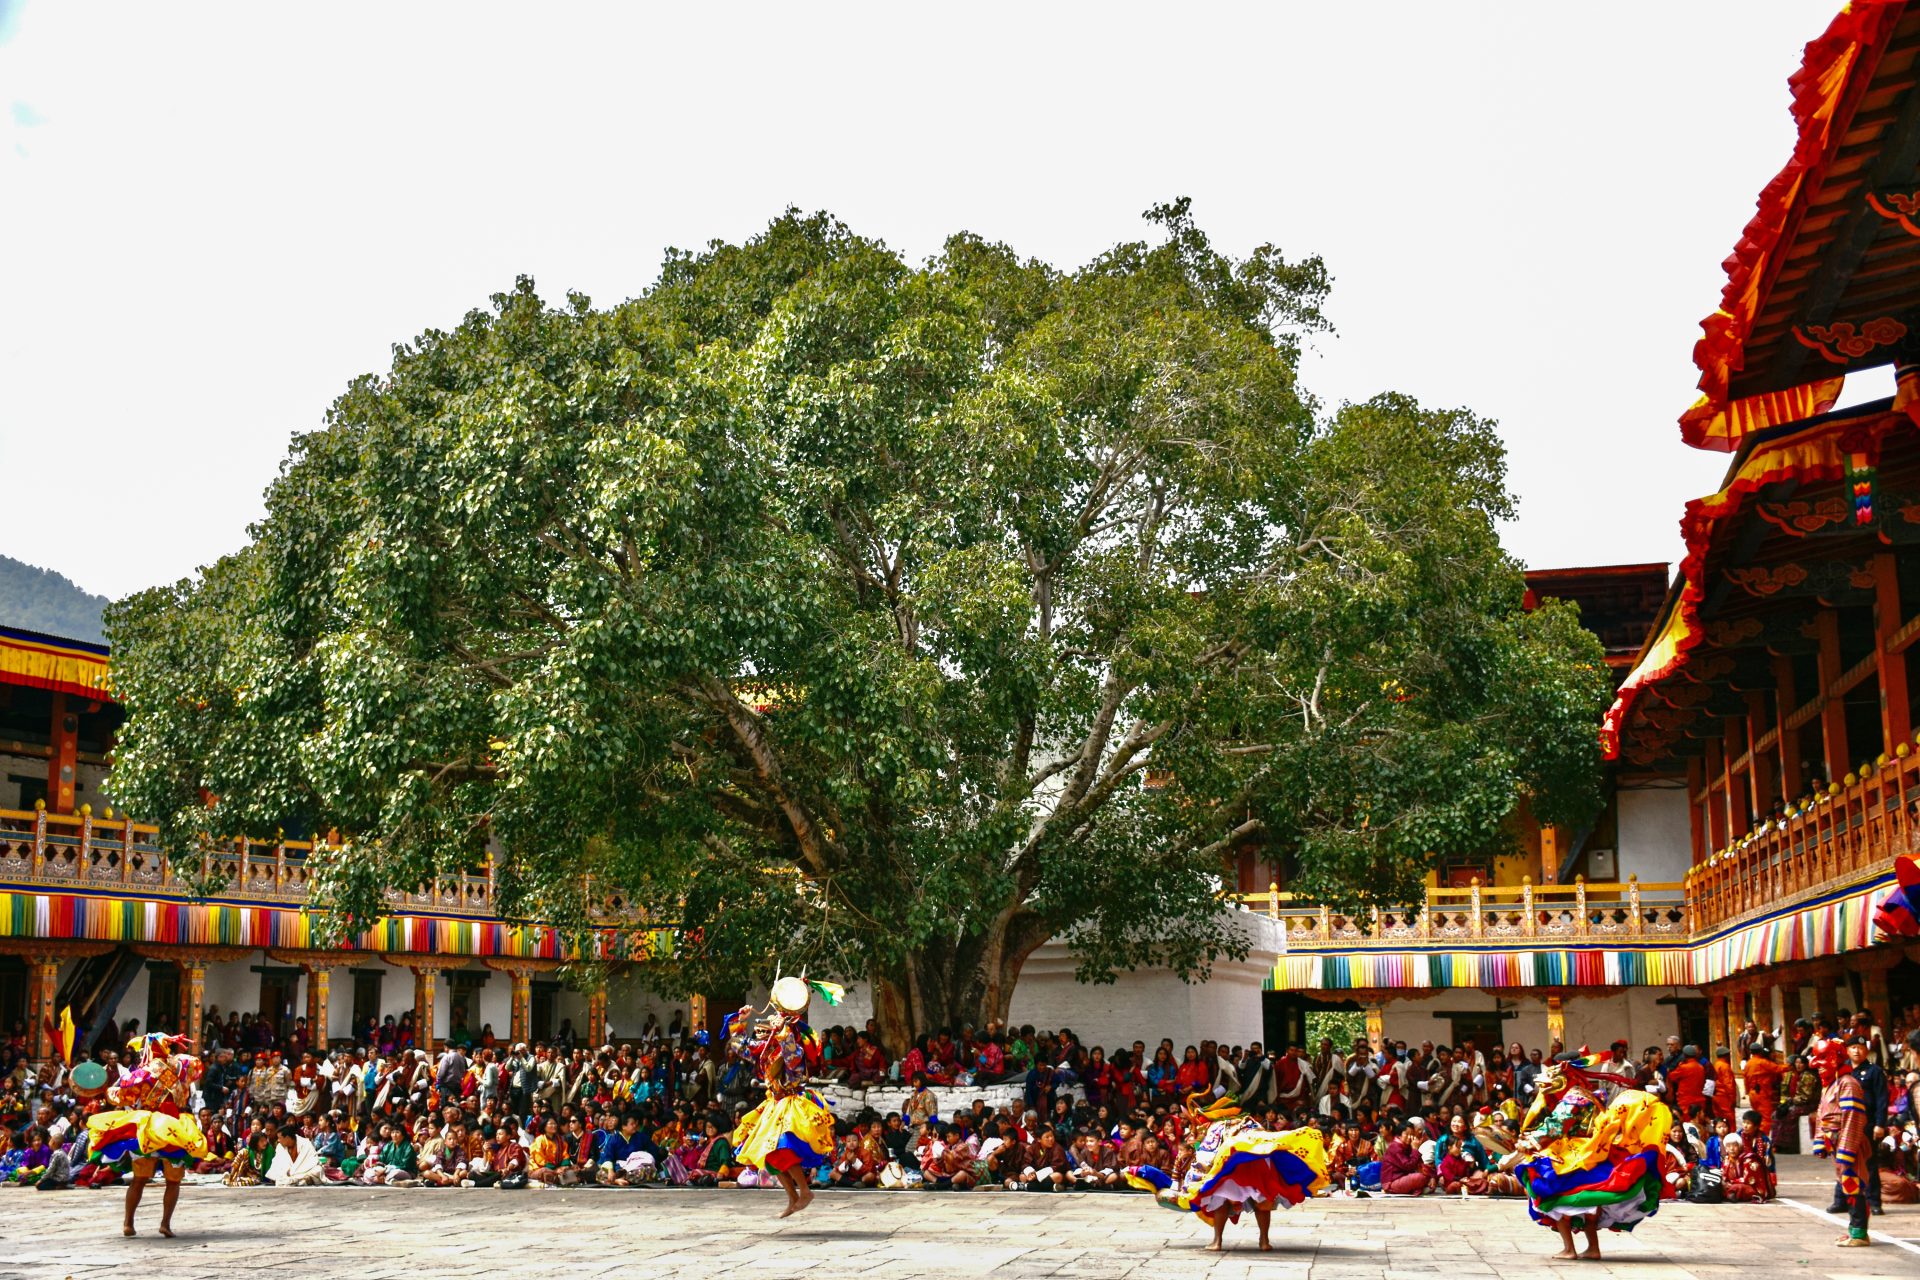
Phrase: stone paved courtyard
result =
(423, 1235)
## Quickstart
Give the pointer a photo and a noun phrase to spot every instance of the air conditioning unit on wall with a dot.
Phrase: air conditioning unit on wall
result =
(1602, 865)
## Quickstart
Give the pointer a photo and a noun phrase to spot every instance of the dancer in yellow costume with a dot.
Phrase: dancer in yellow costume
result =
(1237, 1163)
(791, 1133)
(149, 1128)
(1589, 1164)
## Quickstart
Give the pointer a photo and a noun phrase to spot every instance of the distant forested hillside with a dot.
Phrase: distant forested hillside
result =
(42, 600)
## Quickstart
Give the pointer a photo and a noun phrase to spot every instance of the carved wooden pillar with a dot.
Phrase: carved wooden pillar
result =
(1833, 712)
(63, 757)
(1556, 1021)
(1762, 778)
(596, 1017)
(319, 987)
(43, 989)
(193, 994)
(1896, 717)
(1717, 1014)
(1787, 1004)
(424, 978)
(522, 1005)
(697, 1013)
(1739, 806)
(1376, 1026)
(1791, 783)
(1825, 999)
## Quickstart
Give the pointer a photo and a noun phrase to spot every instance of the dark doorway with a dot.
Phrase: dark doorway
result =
(1484, 1029)
(163, 996)
(1693, 1024)
(544, 994)
(463, 1006)
(279, 988)
(1283, 1021)
(366, 999)
(13, 995)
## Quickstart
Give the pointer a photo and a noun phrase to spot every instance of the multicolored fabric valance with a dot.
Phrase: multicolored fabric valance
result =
(210, 924)
(1842, 922)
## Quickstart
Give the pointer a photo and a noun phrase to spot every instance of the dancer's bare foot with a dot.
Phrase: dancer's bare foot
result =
(806, 1197)
(166, 1231)
(1593, 1254)
(1266, 1246)
(793, 1207)
(1566, 1254)
(1215, 1247)
(127, 1230)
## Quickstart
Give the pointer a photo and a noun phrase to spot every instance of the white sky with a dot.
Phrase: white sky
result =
(214, 216)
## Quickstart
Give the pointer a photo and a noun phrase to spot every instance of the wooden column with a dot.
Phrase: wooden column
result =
(1697, 811)
(1872, 966)
(596, 1018)
(1762, 777)
(521, 972)
(319, 988)
(1825, 999)
(1787, 1004)
(522, 1006)
(43, 989)
(1716, 770)
(1556, 1021)
(1896, 717)
(1739, 810)
(424, 976)
(1376, 1026)
(697, 1014)
(63, 760)
(1833, 712)
(1717, 1003)
(193, 995)
(1792, 784)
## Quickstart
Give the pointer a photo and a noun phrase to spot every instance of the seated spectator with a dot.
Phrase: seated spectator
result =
(1747, 1162)
(1401, 1171)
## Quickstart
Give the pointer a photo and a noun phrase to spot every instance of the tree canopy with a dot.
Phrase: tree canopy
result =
(875, 619)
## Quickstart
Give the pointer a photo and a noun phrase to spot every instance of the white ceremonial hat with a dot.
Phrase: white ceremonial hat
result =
(790, 995)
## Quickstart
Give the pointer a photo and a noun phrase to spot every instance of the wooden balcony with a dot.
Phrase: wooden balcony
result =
(1552, 914)
(1850, 831)
(68, 853)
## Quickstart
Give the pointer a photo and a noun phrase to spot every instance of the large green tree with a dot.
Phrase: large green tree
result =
(877, 619)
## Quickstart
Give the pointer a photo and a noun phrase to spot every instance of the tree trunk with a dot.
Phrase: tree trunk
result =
(950, 986)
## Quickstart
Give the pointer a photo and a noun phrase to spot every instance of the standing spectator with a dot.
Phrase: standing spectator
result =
(1725, 1090)
(1764, 1078)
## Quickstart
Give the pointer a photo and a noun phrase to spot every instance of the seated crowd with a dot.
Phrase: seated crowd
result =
(1399, 1120)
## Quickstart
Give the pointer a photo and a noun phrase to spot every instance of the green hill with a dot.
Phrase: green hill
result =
(41, 600)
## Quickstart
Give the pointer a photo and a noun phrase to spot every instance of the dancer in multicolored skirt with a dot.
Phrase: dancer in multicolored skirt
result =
(151, 1128)
(1586, 1163)
(790, 1134)
(1237, 1164)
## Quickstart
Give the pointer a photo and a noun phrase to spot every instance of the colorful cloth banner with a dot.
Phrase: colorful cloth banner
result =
(1841, 922)
(76, 916)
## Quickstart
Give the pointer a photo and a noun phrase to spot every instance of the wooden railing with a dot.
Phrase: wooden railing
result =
(80, 851)
(1850, 830)
(1490, 913)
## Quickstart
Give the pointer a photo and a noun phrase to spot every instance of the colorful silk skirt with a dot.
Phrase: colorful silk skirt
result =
(781, 1134)
(113, 1136)
(1250, 1166)
(1610, 1177)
